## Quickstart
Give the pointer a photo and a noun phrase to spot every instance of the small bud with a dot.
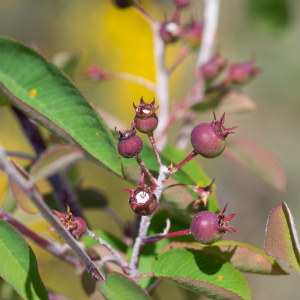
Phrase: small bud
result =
(208, 227)
(213, 67)
(171, 30)
(123, 3)
(130, 144)
(241, 73)
(203, 193)
(145, 119)
(182, 3)
(95, 73)
(193, 34)
(208, 139)
(142, 200)
(75, 225)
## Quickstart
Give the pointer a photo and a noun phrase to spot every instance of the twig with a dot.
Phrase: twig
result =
(151, 137)
(123, 264)
(154, 285)
(145, 170)
(162, 83)
(157, 237)
(187, 159)
(211, 15)
(62, 193)
(143, 13)
(148, 84)
(143, 276)
(20, 154)
(8, 168)
(56, 250)
(183, 53)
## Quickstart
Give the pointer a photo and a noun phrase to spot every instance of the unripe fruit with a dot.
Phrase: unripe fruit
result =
(213, 67)
(208, 227)
(145, 119)
(130, 144)
(193, 34)
(208, 139)
(75, 225)
(142, 200)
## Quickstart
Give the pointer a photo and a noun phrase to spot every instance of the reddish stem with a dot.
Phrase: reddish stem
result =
(38, 240)
(157, 237)
(145, 170)
(151, 137)
(183, 52)
(187, 159)
(143, 276)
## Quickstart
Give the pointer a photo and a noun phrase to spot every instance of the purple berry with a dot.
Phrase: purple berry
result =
(208, 139)
(208, 227)
(145, 119)
(130, 144)
(182, 3)
(142, 200)
(193, 34)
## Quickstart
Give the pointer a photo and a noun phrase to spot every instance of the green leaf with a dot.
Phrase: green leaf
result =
(281, 239)
(54, 160)
(241, 256)
(109, 238)
(258, 160)
(45, 94)
(120, 287)
(195, 171)
(18, 264)
(270, 15)
(203, 273)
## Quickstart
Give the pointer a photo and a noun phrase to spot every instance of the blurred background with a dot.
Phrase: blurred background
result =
(120, 40)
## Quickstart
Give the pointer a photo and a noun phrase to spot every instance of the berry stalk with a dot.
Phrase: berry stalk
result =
(145, 170)
(151, 137)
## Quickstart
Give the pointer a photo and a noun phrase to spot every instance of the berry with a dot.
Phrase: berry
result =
(193, 34)
(208, 139)
(142, 200)
(170, 30)
(130, 144)
(75, 225)
(241, 73)
(213, 67)
(182, 3)
(145, 119)
(208, 227)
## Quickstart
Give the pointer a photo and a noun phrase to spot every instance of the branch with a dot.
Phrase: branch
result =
(56, 250)
(123, 264)
(145, 170)
(139, 80)
(151, 137)
(20, 155)
(211, 15)
(157, 237)
(8, 168)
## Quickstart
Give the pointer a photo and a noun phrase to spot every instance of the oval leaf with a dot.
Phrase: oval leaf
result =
(281, 239)
(205, 274)
(45, 94)
(258, 160)
(18, 264)
(120, 287)
(22, 199)
(241, 256)
(54, 160)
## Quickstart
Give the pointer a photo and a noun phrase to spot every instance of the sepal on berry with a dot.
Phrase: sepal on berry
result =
(145, 119)
(142, 200)
(130, 144)
(203, 192)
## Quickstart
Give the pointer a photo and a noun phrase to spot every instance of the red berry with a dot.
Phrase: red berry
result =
(208, 139)
(208, 227)
(170, 30)
(80, 229)
(182, 3)
(130, 144)
(193, 34)
(142, 200)
(145, 119)
(213, 67)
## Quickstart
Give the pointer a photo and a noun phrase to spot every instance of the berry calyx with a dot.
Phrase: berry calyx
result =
(145, 119)
(208, 139)
(130, 144)
(75, 225)
(208, 227)
(203, 192)
(142, 200)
